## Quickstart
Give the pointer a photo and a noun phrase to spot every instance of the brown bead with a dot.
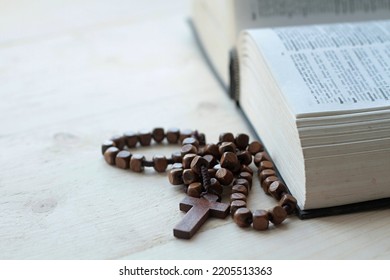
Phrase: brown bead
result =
(277, 215)
(119, 141)
(237, 196)
(212, 172)
(122, 159)
(110, 155)
(260, 220)
(173, 135)
(190, 176)
(246, 168)
(212, 149)
(247, 176)
(240, 189)
(131, 139)
(136, 163)
(177, 165)
(201, 138)
(177, 157)
(224, 176)
(185, 133)
(242, 181)
(265, 165)
(277, 189)
(267, 182)
(243, 217)
(195, 189)
(160, 163)
(145, 137)
(261, 156)
(266, 173)
(197, 163)
(230, 161)
(211, 160)
(235, 204)
(188, 149)
(241, 140)
(255, 147)
(288, 202)
(158, 134)
(187, 159)
(175, 176)
(227, 147)
(244, 157)
(192, 141)
(107, 144)
(215, 187)
(226, 137)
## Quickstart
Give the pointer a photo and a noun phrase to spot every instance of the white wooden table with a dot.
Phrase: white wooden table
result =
(74, 73)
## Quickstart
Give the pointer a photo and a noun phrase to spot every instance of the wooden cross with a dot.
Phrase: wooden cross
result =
(198, 210)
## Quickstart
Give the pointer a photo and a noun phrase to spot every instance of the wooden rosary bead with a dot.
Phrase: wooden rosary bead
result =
(226, 137)
(246, 168)
(119, 141)
(215, 187)
(227, 147)
(131, 139)
(190, 176)
(235, 204)
(107, 144)
(192, 141)
(173, 135)
(242, 181)
(277, 215)
(255, 147)
(243, 217)
(212, 149)
(241, 141)
(144, 137)
(201, 138)
(289, 203)
(244, 157)
(247, 176)
(266, 173)
(177, 157)
(212, 172)
(158, 134)
(260, 220)
(261, 156)
(230, 161)
(136, 163)
(110, 155)
(224, 176)
(185, 133)
(240, 189)
(175, 176)
(237, 196)
(277, 189)
(195, 189)
(160, 163)
(187, 159)
(267, 182)
(177, 165)
(265, 165)
(211, 160)
(197, 163)
(122, 159)
(188, 149)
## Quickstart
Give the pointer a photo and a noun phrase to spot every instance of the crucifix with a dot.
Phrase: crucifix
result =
(198, 210)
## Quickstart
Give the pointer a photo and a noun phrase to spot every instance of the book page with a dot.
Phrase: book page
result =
(329, 68)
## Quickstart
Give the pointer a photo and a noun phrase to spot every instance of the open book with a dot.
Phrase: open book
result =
(318, 95)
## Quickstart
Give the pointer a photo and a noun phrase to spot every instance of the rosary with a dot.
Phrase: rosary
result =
(206, 170)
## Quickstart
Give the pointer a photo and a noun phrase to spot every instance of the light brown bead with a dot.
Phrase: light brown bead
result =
(197, 163)
(267, 182)
(260, 220)
(185, 133)
(177, 157)
(277, 215)
(261, 156)
(241, 181)
(190, 176)
(255, 147)
(230, 161)
(172, 135)
(266, 173)
(224, 176)
(227, 147)
(247, 176)
(188, 149)
(187, 159)
(107, 144)
(265, 165)
(158, 134)
(226, 137)
(212, 149)
(240, 189)
(144, 137)
(119, 141)
(244, 157)
(277, 189)
(235, 204)
(215, 187)
(136, 163)
(160, 163)
(175, 176)
(237, 196)
(211, 160)
(192, 141)
(110, 155)
(194, 189)
(122, 159)
(131, 139)
(289, 203)
(243, 217)
(241, 140)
